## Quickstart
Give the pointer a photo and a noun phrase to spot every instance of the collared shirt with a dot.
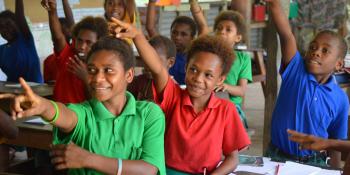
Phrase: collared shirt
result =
(194, 141)
(20, 59)
(240, 69)
(50, 68)
(68, 87)
(306, 106)
(178, 70)
(136, 134)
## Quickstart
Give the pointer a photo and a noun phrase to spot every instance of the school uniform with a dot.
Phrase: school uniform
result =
(136, 134)
(194, 141)
(306, 106)
(20, 59)
(68, 87)
(178, 70)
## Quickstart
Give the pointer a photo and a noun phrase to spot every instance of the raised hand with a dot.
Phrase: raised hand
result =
(308, 141)
(27, 104)
(49, 5)
(222, 87)
(124, 30)
(69, 156)
(78, 67)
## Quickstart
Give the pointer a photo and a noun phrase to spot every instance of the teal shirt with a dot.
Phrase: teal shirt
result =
(136, 134)
(240, 69)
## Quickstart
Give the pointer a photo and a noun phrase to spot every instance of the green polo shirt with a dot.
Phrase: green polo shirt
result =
(136, 134)
(240, 69)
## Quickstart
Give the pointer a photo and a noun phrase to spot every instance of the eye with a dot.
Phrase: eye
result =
(208, 75)
(325, 50)
(91, 70)
(108, 70)
(192, 69)
(313, 47)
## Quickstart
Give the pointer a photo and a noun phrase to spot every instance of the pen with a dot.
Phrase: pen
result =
(277, 169)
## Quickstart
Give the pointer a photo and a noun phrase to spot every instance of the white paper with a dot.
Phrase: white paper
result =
(35, 121)
(268, 168)
(292, 168)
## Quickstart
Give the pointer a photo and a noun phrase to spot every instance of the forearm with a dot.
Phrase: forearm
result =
(199, 17)
(238, 91)
(68, 13)
(240, 6)
(228, 165)
(339, 145)
(151, 19)
(110, 166)
(21, 17)
(7, 126)
(58, 38)
(335, 159)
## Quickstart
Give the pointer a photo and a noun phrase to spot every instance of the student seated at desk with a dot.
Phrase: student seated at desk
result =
(18, 57)
(309, 101)
(312, 142)
(141, 86)
(111, 133)
(200, 127)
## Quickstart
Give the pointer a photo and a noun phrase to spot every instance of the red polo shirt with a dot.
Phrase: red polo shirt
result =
(194, 141)
(68, 87)
(50, 68)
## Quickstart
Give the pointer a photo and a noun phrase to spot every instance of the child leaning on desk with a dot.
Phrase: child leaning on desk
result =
(309, 101)
(200, 126)
(112, 133)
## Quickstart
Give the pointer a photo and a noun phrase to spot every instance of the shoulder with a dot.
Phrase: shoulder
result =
(80, 107)
(146, 108)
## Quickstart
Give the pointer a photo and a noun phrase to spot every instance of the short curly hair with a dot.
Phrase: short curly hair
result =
(214, 45)
(236, 18)
(185, 20)
(95, 24)
(118, 46)
(165, 44)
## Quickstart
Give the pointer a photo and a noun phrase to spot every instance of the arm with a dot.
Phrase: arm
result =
(146, 51)
(7, 126)
(58, 38)
(240, 6)
(151, 19)
(30, 104)
(21, 19)
(228, 165)
(197, 13)
(287, 40)
(335, 160)
(238, 91)
(68, 13)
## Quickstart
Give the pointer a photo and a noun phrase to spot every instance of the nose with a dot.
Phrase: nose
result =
(82, 46)
(99, 77)
(316, 52)
(198, 78)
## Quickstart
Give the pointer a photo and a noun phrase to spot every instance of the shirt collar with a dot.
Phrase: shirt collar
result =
(101, 112)
(214, 101)
(329, 85)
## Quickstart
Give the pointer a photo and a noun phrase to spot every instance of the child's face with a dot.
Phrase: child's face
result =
(83, 43)
(228, 31)
(322, 57)
(181, 36)
(106, 76)
(115, 8)
(203, 74)
(8, 29)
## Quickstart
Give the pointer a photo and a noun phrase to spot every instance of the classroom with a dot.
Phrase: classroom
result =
(177, 87)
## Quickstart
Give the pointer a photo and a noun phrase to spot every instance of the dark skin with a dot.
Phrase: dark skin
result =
(7, 126)
(204, 72)
(321, 60)
(10, 28)
(108, 81)
(68, 13)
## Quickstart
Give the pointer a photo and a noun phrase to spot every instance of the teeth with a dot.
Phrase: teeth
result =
(101, 88)
(80, 54)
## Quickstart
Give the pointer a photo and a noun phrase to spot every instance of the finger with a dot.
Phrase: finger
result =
(16, 105)
(61, 166)
(120, 23)
(3, 96)
(27, 90)
(57, 160)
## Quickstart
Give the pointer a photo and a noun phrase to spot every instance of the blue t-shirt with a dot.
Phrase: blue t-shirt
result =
(306, 106)
(20, 59)
(178, 70)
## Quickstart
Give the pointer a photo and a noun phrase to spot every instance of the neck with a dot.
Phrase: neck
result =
(116, 105)
(200, 103)
(322, 79)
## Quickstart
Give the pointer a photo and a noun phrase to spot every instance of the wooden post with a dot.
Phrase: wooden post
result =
(271, 45)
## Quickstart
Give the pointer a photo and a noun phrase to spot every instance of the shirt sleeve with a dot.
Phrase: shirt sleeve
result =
(339, 127)
(294, 68)
(246, 69)
(153, 139)
(77, 134)
(166, 100)
(235, 136)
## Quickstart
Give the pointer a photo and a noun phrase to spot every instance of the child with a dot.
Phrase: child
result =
(309, 101)
(197, 121)
(141, 86)
(110, 133)
(18, 57)
(50, 65)
(230, 25)
(320, 144)
(71, 77)
(183, 30)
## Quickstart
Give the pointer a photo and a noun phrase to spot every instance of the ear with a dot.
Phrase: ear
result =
(170, 62)
(129, 75)
(221, 80)
(339, 64)
(238, 38)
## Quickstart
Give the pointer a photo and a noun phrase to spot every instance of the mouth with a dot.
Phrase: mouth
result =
(195, 88)
(314, 61)
(100, 89)
(116, 15)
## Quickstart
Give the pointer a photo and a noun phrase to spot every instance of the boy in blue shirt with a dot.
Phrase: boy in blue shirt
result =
(18, 57)
(309, 101)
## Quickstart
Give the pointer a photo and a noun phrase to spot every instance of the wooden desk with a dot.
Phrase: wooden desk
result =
(43, 90)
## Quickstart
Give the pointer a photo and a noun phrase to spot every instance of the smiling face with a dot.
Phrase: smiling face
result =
(227, 30)
(203, 74)
(323, 56)
(83, 43)
(114, 8)
(106, 76)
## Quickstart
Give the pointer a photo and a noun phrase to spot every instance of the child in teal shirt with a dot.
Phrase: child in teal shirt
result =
(112, 133)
